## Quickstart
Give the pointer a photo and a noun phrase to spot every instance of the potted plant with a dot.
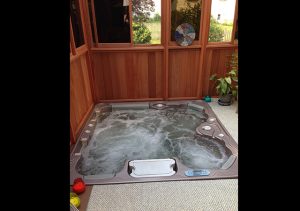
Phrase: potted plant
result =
(226, 87)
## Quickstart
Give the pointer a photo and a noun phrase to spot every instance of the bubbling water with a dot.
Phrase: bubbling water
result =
(150, 134)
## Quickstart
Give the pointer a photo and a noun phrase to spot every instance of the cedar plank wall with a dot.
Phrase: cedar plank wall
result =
(81, 100)
(184, 66)
(130, 75)
(164, 72)
(127, 75)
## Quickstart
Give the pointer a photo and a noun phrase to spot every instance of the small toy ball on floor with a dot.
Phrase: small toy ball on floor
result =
(78, 186)
(74, 199)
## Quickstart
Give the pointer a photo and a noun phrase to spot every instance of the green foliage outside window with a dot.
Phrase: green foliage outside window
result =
(190, 14)
(216, 32)
(142, 34)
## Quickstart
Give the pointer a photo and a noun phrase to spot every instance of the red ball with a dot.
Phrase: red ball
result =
(78, 186)
(77, 180)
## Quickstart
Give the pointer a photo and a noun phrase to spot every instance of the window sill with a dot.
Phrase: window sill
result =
(134, 48)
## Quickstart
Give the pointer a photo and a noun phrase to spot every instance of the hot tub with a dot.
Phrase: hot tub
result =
(153, 141)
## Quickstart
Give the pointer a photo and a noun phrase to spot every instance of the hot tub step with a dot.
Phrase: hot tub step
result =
(152, 168)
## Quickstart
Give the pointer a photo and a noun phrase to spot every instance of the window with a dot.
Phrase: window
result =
(146, 23)
(111, 21)
(221, 20)
(112, 18)
(76, 23)
(185, 11)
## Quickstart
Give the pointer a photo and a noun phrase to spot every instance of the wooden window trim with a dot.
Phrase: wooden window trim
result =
(165, 20)
(222, 45)
(83, 26)
(72, 40)
(85, 20)
(129, 48)
(94, 23)
(130, 23)
(193, 46)
(234, 21)
(78, 51)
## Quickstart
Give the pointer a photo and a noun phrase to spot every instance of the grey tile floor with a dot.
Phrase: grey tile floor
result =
(228, 116)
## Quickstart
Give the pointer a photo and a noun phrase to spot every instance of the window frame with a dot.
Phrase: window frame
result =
(165, 30)
(72, 40)
(123, 45)
(74, 51)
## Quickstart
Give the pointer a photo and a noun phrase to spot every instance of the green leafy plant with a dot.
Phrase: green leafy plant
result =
(229, 83)
(141, 14)
(216, 33)
(141, 10)
(142, 34)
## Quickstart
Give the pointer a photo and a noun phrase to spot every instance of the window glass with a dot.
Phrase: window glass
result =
(185, 11)
(221, 20)
(112, 18)
(146, 15)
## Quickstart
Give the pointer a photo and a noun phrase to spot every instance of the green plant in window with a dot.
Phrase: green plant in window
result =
(142, 34)
(216, 33)
(141, 15)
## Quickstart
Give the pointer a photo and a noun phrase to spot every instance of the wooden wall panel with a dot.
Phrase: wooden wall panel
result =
(127, 75)
(183, 72)
(215, 62)
(124, 75)
(81, 101)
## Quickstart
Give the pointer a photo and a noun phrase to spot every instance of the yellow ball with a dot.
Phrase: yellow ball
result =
(74, 199)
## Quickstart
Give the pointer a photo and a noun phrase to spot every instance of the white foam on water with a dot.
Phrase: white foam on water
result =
(199, 156)
(149, 134)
